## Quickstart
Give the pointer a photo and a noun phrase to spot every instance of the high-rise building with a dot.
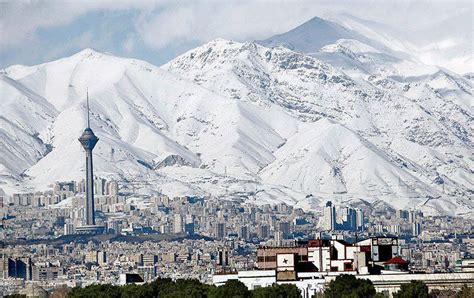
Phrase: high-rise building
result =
(342, 218)
(222, 257)
(402, 214)
(99, 186)
(189, 227)
(360, 219)
(220, 230)
(351, 220)
(81, 186)
(244, 232)
(102, 258)
(111, 188)
(411, 216)
(416, 229)
(284, 228)
(19, 268)
(178, 223)
(278, 238)
(263, 232)
(329, 217)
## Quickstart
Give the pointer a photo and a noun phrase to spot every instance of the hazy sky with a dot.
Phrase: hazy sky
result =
(32, 32)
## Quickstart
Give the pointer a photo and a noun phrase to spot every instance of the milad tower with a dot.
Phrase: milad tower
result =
(88, 141)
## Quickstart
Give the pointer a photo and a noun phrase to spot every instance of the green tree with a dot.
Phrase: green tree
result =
(99, 291)
(447, 293)
(348, 286)
(163, 287)
(277, 291)
(466, 292)
(231, 289)
(190, 288)
(136, 291)
(415, 289)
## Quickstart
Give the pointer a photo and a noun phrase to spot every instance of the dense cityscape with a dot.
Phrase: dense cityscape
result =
(191, 237)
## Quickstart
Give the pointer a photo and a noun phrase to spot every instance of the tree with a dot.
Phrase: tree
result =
(348, 286)
(415, 289)
(466, 292)
(277, 291)
(163, 287)
(191, 288)
(99, 291)
(135, 291)
(447, 293)
(231, 289)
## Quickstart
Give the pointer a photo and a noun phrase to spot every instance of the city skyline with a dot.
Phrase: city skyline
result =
(254, 148)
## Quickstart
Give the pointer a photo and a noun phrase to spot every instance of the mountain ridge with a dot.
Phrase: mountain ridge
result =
(229, 117)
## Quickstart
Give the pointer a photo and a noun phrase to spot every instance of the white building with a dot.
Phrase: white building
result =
(311, 283)
(312, 266)
(341, 218)
(178, 226)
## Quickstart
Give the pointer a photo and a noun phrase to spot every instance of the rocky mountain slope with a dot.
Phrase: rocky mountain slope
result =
(351, 121)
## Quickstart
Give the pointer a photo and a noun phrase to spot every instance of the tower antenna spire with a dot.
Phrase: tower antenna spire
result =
(88, 117)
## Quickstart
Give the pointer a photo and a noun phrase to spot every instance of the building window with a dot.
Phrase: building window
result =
(347, 267)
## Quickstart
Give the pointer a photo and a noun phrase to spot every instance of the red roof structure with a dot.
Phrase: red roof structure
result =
(397, 260)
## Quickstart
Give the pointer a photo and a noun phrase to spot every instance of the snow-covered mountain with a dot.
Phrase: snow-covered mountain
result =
(354, 120)
(446, 42)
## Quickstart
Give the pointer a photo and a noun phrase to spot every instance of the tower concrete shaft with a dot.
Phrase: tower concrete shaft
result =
(88, 141)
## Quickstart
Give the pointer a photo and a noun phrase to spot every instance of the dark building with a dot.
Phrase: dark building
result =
(19, 268)
(285, 229)
(222, 258)
(189, 228)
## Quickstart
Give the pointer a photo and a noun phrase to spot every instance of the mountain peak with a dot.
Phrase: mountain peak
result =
(311, 36)
(20, 70)
(89, 52)
(315, 20)
(218, 42)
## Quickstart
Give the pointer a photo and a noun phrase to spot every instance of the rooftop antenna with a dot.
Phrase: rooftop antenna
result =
(88, 118)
